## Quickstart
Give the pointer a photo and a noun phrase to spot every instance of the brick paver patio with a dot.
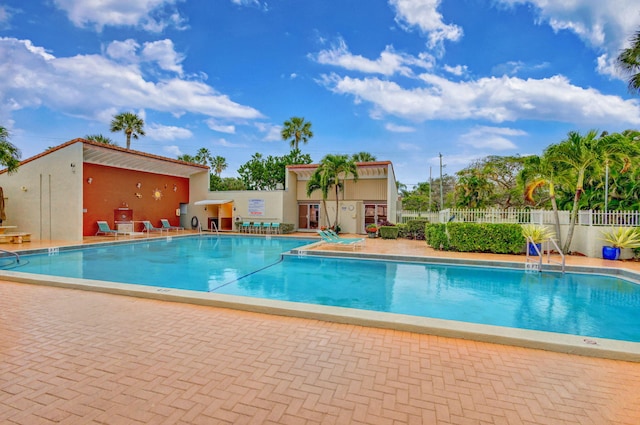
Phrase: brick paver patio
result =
(76, 357)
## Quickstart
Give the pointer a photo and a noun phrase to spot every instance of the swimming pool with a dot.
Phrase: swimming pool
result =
(578, 304)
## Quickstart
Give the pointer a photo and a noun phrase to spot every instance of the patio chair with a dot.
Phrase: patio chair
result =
(167, 226)
(104, 229)
(257, 227)
(330, 239)
(275, 227)
(148, 227)
(246, 227)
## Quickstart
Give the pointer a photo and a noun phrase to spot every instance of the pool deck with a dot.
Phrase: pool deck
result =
(83, 357)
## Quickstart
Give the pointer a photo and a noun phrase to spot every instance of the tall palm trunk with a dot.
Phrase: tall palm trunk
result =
(574, 211)
(556, 215)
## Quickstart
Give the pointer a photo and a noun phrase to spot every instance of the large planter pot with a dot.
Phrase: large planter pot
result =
(372, 234)
(532, 249)
(610, 252)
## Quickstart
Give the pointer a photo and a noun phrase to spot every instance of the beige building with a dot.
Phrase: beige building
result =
(61, 193)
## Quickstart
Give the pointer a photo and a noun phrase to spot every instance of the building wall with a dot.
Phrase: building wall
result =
(44, 197)
(113, 188)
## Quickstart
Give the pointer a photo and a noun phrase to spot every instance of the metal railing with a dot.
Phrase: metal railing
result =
(540, 251)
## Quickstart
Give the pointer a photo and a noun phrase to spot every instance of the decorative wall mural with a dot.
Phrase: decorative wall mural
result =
(157, 194)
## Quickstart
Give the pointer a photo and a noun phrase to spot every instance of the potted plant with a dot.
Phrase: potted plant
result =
(535, 235)
(372, 230)
(618, 238)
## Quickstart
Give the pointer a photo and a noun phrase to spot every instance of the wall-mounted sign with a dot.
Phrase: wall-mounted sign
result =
(256, 207)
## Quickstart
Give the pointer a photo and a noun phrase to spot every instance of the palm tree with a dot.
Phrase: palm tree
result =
(582, 154)
(296, 130)
(629, 62)
(9, 154)
(130, 123)
(363, 157)
(186, 158)
(219, 164)
(331, 172)
(100, 139)
(203, 156)
(538, 172)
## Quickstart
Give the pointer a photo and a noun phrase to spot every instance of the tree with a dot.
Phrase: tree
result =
(203, 157)
(100, 139)
(187, 158)
(219, 164)
(130, 123)
(331, 173)
(582, 155)
(261, 173)
(296, 130)
(9, 154)
(226, 183)
(363, 157)
(539, 172)
(629, 62)
(417, 199)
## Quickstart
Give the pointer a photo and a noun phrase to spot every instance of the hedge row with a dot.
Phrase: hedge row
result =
(476, 237)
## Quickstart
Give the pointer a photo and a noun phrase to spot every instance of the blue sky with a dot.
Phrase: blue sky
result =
(402, 79)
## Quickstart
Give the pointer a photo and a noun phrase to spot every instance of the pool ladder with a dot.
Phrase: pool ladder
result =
(10, 253)
(535, 263)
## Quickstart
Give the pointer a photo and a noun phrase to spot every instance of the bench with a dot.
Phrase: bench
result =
(15, 237)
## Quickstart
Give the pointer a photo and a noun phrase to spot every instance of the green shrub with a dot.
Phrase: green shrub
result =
(402, 230)
(286, 228)
(436, 236)
(486, 237)
(389, 232)
(416, 228)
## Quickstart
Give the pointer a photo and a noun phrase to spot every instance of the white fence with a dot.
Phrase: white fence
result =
(523, 216)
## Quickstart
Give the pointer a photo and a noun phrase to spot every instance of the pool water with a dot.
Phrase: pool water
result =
(579, 304)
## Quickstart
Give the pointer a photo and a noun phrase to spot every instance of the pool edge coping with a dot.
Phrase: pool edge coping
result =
(556, 342)
(550, 341)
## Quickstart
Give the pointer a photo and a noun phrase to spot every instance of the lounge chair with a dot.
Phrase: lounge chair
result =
(167, 226)
(346, 240)
(331, 239)
(104, 229)
(246, 227)
(257, 227)
(148, 227)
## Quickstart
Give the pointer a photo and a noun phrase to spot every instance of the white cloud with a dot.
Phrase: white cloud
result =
(125, 51)
(457, 70)
(87, 85)
(151, 15)
(272, 132)
(164, 132)
(160, 52)
(5, 17)
(604, 25)
(227, 144)
(399, 128)
(424, 14)
(163, 53)
(172, 151)
(389, 62)
(494, 138)
(222, 128)
(493, 99)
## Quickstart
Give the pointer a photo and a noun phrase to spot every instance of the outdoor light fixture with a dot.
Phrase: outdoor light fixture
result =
(73, 167)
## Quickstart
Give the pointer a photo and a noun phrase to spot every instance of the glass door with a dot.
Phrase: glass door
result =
(308, 216)
(374, 214)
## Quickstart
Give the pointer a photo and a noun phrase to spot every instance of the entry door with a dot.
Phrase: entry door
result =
(308, 216)
(374, 213)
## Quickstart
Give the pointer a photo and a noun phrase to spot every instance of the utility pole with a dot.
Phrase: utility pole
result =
(430, 188)
(441, 194)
